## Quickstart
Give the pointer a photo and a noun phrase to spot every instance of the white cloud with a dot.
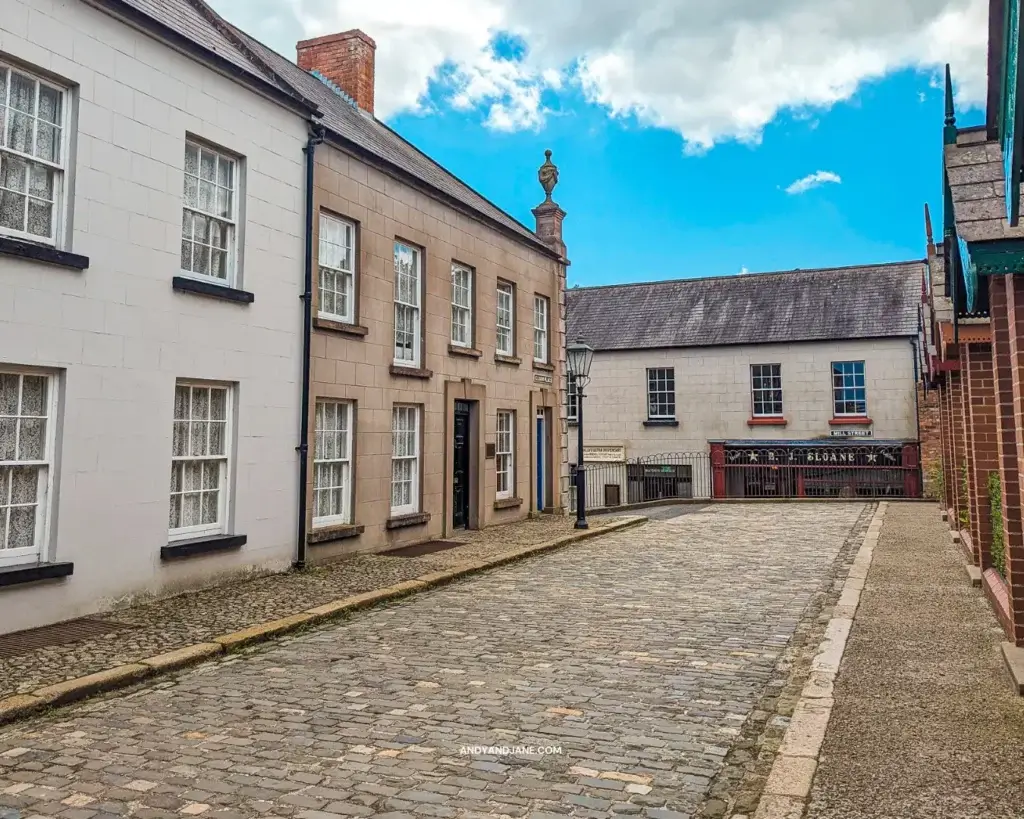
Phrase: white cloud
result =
(813, 180)
(711, 71)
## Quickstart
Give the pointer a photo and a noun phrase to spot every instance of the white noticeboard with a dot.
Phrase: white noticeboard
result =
(604, 454)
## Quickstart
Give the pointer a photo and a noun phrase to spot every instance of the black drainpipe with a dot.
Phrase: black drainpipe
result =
(316, 136)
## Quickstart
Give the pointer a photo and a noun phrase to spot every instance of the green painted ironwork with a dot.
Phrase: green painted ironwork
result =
(1011, 120)
(1001, 257)
(949, 128)
(969, 272)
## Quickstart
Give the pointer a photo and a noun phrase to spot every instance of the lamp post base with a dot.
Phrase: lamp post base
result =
(581, 524)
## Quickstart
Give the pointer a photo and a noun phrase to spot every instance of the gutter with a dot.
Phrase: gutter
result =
(316, 137)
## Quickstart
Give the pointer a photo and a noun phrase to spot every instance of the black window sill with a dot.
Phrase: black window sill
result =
(411, 372)
(183, 284)
(329, 534)
(402, 521)
(468, 352)
(17, 575)
(509, 360)
(661, 422)
(201, 546)
(42, 253)
(340, 327)
(508, 503)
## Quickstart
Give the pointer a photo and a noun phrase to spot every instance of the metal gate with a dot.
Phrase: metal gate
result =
(816, 470)
(669, 476)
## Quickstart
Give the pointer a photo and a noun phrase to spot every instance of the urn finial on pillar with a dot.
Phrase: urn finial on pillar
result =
(548, 214)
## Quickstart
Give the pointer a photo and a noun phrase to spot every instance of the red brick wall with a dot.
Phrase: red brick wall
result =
(980, 406)
(931, 438)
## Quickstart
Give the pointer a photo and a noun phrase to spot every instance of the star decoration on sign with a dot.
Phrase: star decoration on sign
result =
(753, 457)
(872, 457)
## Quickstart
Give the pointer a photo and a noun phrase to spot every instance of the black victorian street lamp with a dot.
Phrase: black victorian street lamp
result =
(579, 357)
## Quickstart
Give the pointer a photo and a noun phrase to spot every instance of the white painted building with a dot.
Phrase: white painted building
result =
(806, 358)
(151, 249)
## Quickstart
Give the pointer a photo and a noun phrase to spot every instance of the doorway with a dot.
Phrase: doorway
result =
(543, 501)
(460, 471)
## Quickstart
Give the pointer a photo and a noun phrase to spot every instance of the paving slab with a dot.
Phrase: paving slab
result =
(924, 722)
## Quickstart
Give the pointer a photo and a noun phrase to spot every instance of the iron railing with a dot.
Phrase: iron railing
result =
(670, 476)
(826, 472)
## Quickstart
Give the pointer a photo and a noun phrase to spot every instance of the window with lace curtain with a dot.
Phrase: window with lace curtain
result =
(27, 425)
(408, 287)
(33, 154)
(200, 460)
(332, 464)
(405, 460)
(209, 215)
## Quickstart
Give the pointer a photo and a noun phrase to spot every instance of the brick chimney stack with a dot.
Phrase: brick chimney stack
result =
(346, 59)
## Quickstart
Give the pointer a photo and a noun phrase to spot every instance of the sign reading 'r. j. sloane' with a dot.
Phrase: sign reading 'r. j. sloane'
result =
(855, 456)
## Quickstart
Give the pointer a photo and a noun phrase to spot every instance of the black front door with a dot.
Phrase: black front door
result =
(460, 485)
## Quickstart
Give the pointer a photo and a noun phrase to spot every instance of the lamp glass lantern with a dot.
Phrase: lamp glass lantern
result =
(579, 356)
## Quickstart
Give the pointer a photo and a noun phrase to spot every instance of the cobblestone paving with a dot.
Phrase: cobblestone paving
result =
(638, 655)
(173, 622)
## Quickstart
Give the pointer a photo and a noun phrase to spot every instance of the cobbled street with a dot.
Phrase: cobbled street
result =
(628, 663)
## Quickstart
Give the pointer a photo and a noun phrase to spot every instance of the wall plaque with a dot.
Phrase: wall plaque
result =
(607, 454)
(543, 378)
(850, 433)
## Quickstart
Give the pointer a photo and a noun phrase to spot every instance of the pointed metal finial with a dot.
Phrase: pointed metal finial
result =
(949, 131)
(548, 175)
(928, 225)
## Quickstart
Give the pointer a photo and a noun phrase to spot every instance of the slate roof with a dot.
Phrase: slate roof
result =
(874, 301)
(974, 167)
(201, 25)
(343, 118)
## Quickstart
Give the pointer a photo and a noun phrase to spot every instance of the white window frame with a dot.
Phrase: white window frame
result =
(836, 390)
(345, 274)
(462, 306)
(59, 204)
(415, 412)
(659, 377)
(409, 299)
(45, 465)
(571, 399)
(224, 485)
(229, 222)
(505, 454)
(541, 326)
(765, 395)
(341, 458)
(505, 290)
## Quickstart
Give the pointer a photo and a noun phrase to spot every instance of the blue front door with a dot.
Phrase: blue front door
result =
(541, 437)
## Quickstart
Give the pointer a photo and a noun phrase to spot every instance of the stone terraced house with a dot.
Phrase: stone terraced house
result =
(227, 294)
(800, 383)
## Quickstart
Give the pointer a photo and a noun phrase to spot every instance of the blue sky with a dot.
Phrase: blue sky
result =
(677, 125)
(641, 208)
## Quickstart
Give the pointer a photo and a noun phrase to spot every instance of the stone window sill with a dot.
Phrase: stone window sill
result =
(402, 521)
(508, 360)
(545, 367)
(411, 372)
(851, 421)
(329, 534)
(333, 326)
(508, 503)
(183, 284)
(468, 352)
(661, 422)
(767, 421)
(42, 253)
(34, 572)
(201, 546)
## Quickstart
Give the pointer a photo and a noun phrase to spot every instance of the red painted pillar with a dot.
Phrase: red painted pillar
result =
(911, 472)
(718, 470)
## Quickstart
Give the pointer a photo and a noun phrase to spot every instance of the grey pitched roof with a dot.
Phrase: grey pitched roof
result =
(974, 167)
(201, 26)
(365, 131)
(874, 301)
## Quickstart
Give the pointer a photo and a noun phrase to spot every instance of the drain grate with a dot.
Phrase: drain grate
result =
(427, 548)
(59, 634)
